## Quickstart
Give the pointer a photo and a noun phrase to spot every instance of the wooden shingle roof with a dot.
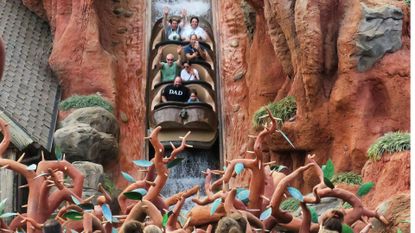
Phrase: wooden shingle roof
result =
(29, 93)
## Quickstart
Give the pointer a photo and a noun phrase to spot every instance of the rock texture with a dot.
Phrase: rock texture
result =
(93, 173)
(397, 210)
(391, 176)
(89, 134)
(82, 142)
(97, 50)
(379, 32)
(97, 117)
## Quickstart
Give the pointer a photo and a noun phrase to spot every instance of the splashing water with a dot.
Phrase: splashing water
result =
(189, 173)
(200, 8)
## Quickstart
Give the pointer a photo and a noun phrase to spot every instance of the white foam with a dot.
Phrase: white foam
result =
(193, 7)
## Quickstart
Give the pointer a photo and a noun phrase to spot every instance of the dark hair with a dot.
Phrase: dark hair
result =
(334, 223)
(193, 91)
(52, 226)
(194, 17)
(133, 226)
(186, 62)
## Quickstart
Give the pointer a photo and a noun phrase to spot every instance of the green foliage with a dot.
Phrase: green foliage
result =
(365, 188)
(77, 101)
(109, 185)
(346, 205)
(347, 178)
(408, 2)
(314, 215)
(390, 143)
(283, 109)
(290, 204)
(346, 228)
(328, 169)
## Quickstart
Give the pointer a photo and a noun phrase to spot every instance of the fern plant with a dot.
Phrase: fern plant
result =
(283, 109)
(389, 143)
(78, 101)
(347, 178)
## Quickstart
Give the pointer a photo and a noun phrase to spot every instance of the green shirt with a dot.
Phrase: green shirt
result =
(168, 73)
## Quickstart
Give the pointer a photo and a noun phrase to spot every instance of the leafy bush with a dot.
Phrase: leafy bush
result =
(348, 178)
(390, 142)
(77, 101)
(283, 109)
(290, 204)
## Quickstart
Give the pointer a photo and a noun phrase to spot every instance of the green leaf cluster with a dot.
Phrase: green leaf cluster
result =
(283, 109)
(408, 2)
(314, 215)
(328, 172)
(78, 101)
(365, 188)
(290, 204)
(389, 143)
(347, 178)
(346, 228)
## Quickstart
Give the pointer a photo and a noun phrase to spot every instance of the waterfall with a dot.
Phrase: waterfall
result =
(188, 173)
(200, 8)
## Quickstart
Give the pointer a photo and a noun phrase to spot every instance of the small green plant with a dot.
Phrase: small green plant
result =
(346, 205)
(408, 2)
(78, 101)
(290, 204)
(109, 185)
(283, 109)
(390, 143)
(347, 178)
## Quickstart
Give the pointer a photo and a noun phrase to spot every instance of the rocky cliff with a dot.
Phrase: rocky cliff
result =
(345, 62)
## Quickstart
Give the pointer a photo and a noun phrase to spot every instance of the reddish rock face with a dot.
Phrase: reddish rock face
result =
(95, 50)
(340, 112)
(305, 50)
(391, 176)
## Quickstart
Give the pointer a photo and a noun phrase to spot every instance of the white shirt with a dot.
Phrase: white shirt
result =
(189, 77)
(188, 31)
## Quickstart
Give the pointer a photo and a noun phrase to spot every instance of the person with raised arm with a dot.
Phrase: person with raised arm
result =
(194, 51)
(171, 68)
(174, 26)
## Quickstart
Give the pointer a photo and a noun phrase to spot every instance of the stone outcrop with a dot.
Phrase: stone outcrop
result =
(397, 210)
(89, 134)
(379, 32)
(82, 142)
(96, 49)
(93, 173)
(97, 117)
(391, 175)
